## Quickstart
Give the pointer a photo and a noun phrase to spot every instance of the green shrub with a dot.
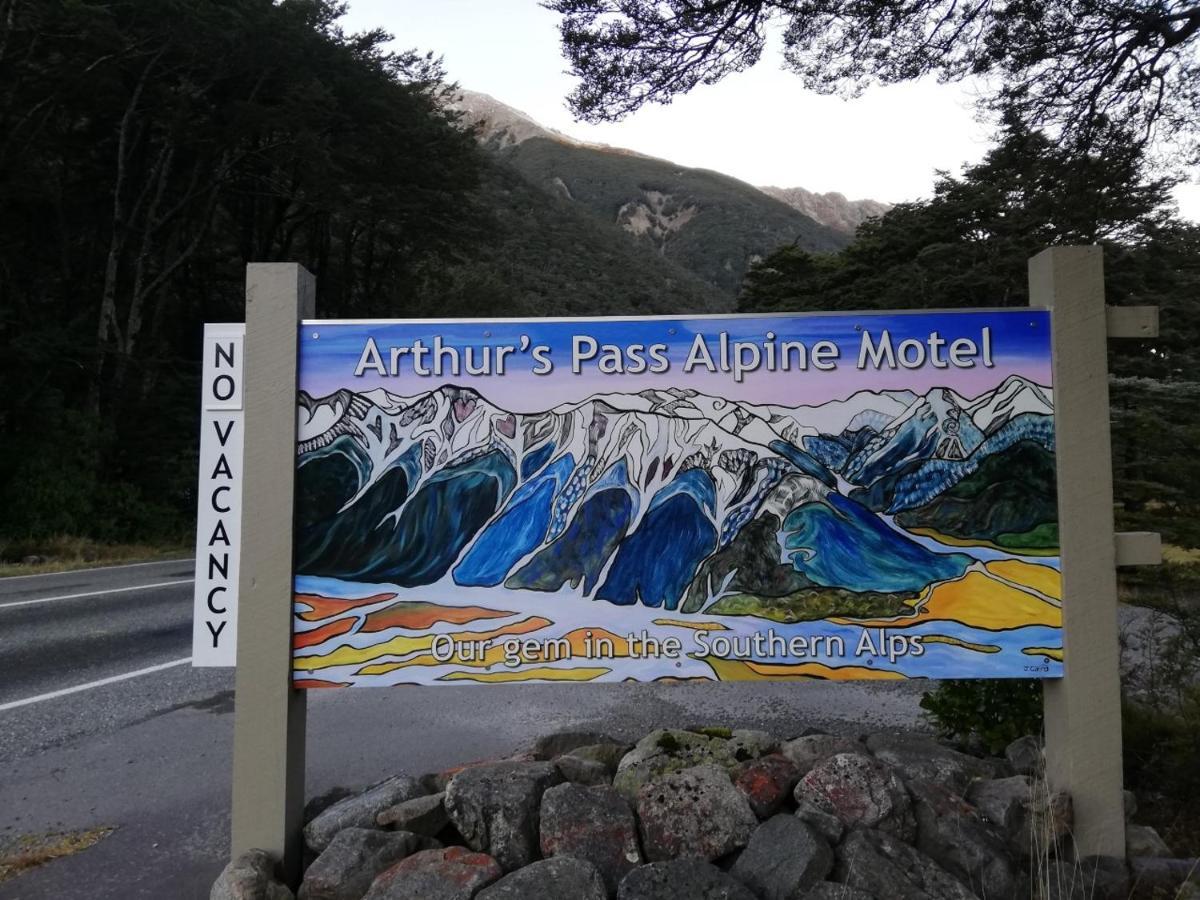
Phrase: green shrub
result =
(995, 712)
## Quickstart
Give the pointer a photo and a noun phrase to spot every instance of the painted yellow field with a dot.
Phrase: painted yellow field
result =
(742, 670)
(1051, 652)
(1042, 579)
(977, 601)
(958, 642)
(537, 673)
(695, 626)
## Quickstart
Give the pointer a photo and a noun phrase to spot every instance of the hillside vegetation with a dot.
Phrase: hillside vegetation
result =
(708, 223)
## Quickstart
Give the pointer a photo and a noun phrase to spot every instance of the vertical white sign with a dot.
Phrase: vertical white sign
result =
(219, 497)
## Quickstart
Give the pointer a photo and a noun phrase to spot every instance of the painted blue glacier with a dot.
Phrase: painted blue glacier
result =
(839, 543)
(517, 531)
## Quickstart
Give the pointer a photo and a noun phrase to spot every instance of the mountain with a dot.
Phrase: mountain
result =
(703, 222)
(935, 426)
(1014, 397)
(972, 469)
(1009, 499)
(540, 255)
(831, 209)
(664, 498)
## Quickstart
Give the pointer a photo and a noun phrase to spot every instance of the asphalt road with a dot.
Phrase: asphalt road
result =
(104, 723)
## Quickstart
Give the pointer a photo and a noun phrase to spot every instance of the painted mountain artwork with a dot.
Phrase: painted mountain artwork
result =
(730, 498)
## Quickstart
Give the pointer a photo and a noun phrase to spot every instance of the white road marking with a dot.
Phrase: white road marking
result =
(153, 562)
(149, 670)
(124, 590)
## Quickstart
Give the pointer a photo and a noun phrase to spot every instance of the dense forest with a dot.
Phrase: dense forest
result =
(148, 151)
(968, 245)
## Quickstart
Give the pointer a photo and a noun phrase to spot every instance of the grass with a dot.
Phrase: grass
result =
(32, 851)
(1181, 555)
(64, 553)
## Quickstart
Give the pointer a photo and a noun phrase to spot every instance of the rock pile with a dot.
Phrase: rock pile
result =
(705, 814)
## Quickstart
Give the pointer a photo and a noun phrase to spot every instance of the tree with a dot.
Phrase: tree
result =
(968, 246)
(147, 152)
(1082, 67)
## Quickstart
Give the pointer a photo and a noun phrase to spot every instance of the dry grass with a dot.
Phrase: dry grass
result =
(62, 554)
(1182, 555)
(32, 851)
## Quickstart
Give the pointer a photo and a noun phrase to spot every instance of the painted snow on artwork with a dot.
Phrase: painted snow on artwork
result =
(443, 538)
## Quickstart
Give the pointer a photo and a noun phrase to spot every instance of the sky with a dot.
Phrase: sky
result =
(1002, 343)
(760, 126)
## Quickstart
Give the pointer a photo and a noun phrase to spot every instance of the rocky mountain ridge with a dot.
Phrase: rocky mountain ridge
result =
(710, 225)
(831, 209)
(501, 126)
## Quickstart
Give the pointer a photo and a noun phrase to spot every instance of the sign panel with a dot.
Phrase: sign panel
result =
(742, 497)
(219, 498)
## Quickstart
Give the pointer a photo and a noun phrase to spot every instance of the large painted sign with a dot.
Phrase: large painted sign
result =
(749, 497)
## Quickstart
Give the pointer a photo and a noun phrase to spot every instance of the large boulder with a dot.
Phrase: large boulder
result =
(697, 812)
(831, 890)
(681, 879)
(1007, 803)
(551, 746)
(1105, 877)
(750, 743)
(952, 833)
(862, 792)
(592, 763)
(607, 754)
(767, 782)
(826, 824)
(1059, 880)
(582, 771)
(454, 873)
(1024, 755)
(785, 857)
(878, 863)
(666, 751)
(359, 810)
(916, 756)
(250, 876)
(549, 879)
(496, 808)
(591, 823)
(1157, 873)
(807, 751)
(420, 815)
(1142, 840)
(346, 868)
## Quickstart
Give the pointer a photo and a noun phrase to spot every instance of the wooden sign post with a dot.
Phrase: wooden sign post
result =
(269, 715)
(1083, 708)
